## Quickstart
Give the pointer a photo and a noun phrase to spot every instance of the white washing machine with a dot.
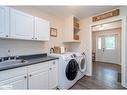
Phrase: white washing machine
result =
(67, 70)
(82, 64)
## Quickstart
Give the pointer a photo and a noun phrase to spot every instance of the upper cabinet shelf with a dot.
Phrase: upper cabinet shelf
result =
(72, 29)
(19, 25)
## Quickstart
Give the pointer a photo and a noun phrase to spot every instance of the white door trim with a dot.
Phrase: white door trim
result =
(123, 45)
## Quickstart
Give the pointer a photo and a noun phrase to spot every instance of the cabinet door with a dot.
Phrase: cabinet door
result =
(21, 25)
(4, 21)
(19, 82)
(38, 79)
(53, 74)
(53, 77)
(41, 29)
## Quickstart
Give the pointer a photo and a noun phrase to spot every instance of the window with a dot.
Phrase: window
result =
(99, 43)
(110, 42)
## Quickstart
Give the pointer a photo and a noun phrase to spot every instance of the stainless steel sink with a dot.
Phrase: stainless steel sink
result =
(12, 62)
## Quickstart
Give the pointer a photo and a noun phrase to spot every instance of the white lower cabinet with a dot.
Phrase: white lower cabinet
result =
(53, 78)
(38, 76)
(19, 82)
(38, 80)
(14, 78)
(43, 75)
(53, 74)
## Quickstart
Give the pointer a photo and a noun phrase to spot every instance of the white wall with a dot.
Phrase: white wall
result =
(18, 47)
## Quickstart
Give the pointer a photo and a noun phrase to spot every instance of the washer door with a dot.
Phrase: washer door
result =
(82, 65)
(72, 69)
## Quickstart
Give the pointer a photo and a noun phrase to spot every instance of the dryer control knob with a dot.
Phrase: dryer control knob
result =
(72, 56)
(83, 53)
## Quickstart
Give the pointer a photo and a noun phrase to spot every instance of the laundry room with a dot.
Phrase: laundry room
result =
(45, 47)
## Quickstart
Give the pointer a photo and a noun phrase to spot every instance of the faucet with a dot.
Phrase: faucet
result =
(15, 57)
(51, 50)
(9, 55)
(1, 59)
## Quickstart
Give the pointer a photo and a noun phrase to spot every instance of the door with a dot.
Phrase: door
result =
(4, 21)
(53, 77)
(41, 29)
(38, 79)
(19, 82)
(22, 25)
(107, 49)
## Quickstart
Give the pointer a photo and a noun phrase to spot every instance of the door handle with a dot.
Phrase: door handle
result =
(30, 75)
(25, 77)
(103, 49)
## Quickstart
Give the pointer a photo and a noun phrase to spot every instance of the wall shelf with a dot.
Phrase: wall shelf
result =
(72, 29)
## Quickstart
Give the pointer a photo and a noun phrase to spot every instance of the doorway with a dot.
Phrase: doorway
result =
(106, 49)
(106, 45)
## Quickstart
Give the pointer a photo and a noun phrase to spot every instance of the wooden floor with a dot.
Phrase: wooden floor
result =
(105, 76)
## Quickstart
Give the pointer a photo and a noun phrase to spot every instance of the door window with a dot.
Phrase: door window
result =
(99, 43)
(110, 42)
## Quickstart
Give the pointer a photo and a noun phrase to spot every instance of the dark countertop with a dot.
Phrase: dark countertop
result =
(31, 59)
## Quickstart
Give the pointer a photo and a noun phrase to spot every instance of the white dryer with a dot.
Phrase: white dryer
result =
(81, 59)
(68, 70)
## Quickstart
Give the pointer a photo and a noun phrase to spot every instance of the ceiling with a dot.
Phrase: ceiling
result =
(79, 11)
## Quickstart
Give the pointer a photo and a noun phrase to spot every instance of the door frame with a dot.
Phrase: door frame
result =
(123, 19)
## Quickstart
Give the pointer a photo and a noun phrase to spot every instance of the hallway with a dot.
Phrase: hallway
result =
(105, 76)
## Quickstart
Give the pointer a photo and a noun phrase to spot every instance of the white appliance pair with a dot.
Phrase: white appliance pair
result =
(82, 64)
(70, 69)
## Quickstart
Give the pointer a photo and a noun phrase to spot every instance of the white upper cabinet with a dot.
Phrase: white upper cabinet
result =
(4, 21)
(41, 29)
(21, 24)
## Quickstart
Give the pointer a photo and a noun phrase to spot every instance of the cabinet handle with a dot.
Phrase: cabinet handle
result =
(30, 75)
(6, 35)
(25, 77)
(54, 62)
(50, 68)
(35, 38)
(32, 38)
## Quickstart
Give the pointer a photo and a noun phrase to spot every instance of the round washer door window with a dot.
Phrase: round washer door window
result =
(82, 65)
(72, 69)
